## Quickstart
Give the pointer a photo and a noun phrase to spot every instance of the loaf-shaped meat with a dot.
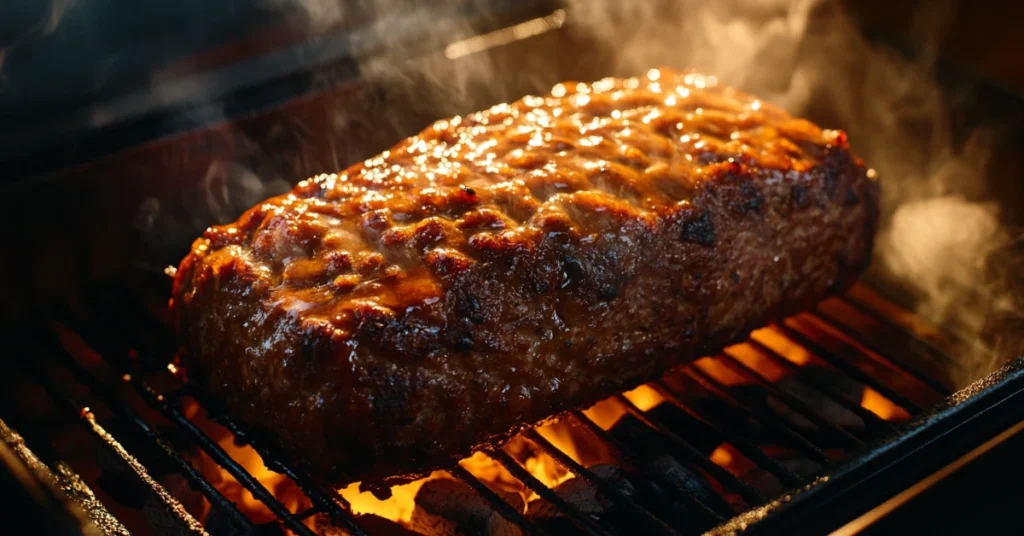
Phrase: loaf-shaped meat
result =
(505, 266)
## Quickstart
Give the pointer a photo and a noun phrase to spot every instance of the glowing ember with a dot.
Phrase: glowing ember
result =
(721, 372)
(727, 457)
(608, 412)
(605, 413)
(401, 506)
(757, 360)
(783, 346)
(644, 397)
(874, 402)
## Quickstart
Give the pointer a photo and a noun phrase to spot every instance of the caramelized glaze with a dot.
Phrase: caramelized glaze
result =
(505, 265)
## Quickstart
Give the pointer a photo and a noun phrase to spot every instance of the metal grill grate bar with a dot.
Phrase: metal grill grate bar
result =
(580, 519)
(215, 452)
(907, 337)
(793, 402)
(869, 418)
(170, 504)
(504, 509)
(745, 447)
(109, 399)
(903, 337)
(749, 494)
(802, 443)
(845, 367)
(653, 474)
(332, 504)
(835, 322)
(603, 487)
(168, 410)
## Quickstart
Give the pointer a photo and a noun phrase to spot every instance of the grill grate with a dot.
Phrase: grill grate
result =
(692, 494)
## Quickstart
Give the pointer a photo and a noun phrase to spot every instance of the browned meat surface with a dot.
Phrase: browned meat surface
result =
(511, 264)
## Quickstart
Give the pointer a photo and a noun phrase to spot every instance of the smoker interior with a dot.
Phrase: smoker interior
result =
(791, 429)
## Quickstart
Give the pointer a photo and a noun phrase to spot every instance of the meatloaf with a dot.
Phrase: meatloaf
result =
(505, 266)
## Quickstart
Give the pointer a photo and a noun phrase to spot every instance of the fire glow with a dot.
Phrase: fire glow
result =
(403, 508)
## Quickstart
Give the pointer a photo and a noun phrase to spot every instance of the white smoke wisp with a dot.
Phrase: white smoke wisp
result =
(941, 245)
(46, 25)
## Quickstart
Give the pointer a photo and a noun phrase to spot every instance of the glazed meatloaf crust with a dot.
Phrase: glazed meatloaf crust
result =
(505, 266)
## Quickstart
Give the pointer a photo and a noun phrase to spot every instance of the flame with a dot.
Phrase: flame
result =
(721, 456)
(547, 470)
(491, 472)
(721, 372)
(538, 464)
(727, 457)
(399, 507)
(605, 413)
(608, 412)
(755, 359)
(783, 346)
(283, 488)
(575, 443)
(874, 402)
(644, 397)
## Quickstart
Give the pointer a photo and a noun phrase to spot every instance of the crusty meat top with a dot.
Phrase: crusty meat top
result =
(386, 234)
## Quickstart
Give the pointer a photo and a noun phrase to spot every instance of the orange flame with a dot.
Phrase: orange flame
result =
(874, 402)
(608, 412)
(605, 413)
(283, 488)
(399, 507)
(783, 346)
(644, 397)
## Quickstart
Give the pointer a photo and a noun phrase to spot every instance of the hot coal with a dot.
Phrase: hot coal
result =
(583, 495)
(371, 524)
(446, 506)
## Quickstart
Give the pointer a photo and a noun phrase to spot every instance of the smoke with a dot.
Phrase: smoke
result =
(43, 22)
(941, 229)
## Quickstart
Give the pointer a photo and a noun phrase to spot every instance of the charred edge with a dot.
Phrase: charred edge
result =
(469, 307)
(751, 199)
(608, 291)
(700, 231)
(572, 272)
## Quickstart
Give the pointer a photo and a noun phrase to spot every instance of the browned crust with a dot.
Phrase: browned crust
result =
(387, 321)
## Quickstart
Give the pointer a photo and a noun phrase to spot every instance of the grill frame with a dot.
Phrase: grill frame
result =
(845, 488)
